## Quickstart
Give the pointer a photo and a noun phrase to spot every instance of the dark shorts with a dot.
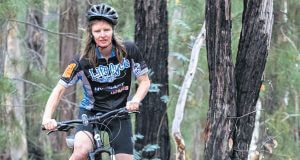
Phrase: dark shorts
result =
(119, 131)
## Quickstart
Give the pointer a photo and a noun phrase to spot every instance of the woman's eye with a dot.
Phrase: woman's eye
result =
(96, 31)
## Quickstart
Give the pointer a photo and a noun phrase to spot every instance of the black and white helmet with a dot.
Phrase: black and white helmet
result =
(103, 11)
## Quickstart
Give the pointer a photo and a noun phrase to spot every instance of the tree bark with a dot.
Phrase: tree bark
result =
(3, 36)
(68, 47)
(222, 106)
(35, 52)
(253, 154)
(176, 132)
(197, 153)
(14, 69)
(151, 36)
(173, 64)
(280, 21)
(275, 93)
(251, 59)
(35, 38)
(297, 120)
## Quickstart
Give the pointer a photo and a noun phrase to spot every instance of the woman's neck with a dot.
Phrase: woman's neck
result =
(105, 52)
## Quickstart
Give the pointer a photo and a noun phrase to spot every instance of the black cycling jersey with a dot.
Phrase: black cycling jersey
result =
(106, 87)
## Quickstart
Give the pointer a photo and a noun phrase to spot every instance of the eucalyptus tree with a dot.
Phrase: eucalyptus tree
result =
(12, 73)
(2, 45)
(234, 91)
(222, 104)
(281, 95)
(35, 58)
(14, 101)
(14, 69)
(34, 36)
(68, 47)
(151, 36)
(251, 59)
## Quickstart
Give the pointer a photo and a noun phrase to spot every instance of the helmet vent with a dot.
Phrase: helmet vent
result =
(103, 11)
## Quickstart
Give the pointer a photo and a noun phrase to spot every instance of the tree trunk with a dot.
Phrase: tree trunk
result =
(173, 64)
(197, 153)
(222, 106)
(275, 93)
(280, 21)
(82, 19)
(151, 36)
(35, 38)
(297, 120)
(2, 45)
(68, 47)
(176, 132)
(36, 59)
(14, 69)
(253, 154)
(251, 59)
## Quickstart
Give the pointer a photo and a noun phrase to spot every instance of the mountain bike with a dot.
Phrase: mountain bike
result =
(98, 121)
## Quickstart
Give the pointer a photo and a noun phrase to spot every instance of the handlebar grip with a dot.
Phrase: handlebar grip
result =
(43, 127)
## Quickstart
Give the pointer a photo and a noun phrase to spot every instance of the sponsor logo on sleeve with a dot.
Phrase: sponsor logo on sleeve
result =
(69, 70)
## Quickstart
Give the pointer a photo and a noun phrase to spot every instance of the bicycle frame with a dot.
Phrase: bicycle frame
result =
(98, 148)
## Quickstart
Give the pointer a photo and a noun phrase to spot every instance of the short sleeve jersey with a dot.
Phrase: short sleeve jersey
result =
(106, 86)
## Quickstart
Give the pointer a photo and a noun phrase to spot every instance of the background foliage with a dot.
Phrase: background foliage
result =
(186, 17)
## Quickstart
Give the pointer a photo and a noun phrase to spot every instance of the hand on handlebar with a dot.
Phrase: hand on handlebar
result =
(132, 106)
(49, 124)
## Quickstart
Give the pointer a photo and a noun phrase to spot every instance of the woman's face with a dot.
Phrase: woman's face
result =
(102, 33)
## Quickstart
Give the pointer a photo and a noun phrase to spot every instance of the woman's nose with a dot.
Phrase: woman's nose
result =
(102, 34)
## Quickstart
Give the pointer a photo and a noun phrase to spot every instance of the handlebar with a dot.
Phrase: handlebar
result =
(67, 125)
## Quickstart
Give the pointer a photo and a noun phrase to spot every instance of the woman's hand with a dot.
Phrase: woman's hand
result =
(49, 124)
(132, 106)
(144, 84)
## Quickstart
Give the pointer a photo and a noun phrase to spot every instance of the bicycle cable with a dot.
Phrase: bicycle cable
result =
(109, 130)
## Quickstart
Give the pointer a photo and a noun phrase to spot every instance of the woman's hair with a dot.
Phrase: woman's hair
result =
(89, 51)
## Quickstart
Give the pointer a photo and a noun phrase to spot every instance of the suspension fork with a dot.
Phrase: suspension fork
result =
(97, 137)
(98, 143)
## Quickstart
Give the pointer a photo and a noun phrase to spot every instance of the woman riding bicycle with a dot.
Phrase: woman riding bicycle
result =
(105, 68)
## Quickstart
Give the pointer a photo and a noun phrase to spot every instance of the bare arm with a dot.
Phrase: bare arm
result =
(51, 106)
(142, 90)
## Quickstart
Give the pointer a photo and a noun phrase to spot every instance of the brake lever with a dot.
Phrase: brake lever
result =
(51, 131)
(60, 127)
(64, 127)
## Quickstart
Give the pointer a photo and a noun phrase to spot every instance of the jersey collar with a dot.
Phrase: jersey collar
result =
(112, 54)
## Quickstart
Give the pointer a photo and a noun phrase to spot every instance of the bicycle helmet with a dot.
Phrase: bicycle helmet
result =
(103, 11)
